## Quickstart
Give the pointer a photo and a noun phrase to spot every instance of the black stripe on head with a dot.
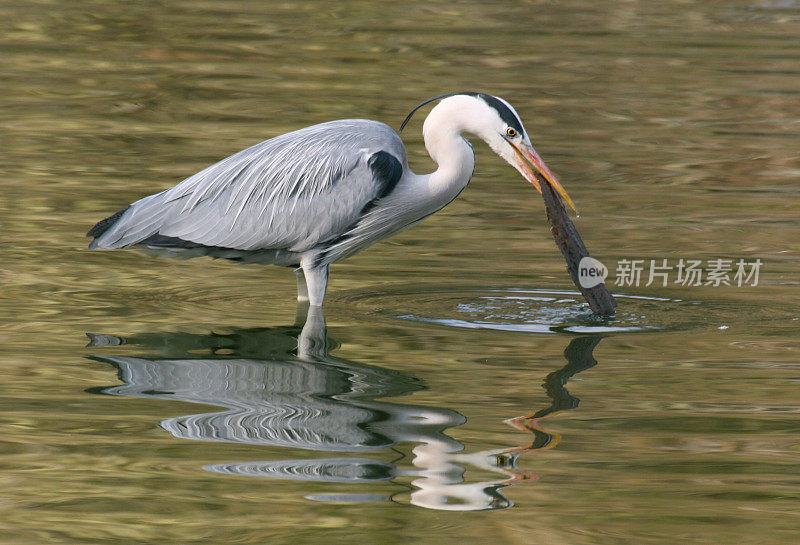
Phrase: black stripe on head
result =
(505, 113)
(493, 102)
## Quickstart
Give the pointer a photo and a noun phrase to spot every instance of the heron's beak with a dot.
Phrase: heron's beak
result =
(528, 163)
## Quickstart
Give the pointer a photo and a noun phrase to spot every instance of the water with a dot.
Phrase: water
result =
(461, 391)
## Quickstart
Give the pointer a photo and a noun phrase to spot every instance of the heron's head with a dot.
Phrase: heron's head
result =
(497, 123)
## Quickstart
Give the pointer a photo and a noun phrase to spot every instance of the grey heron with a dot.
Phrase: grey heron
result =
(309, 198)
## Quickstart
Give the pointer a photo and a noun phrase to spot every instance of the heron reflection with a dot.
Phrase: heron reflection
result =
(279, 387)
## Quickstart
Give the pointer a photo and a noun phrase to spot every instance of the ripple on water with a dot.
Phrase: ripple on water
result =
(528, 310)
(332, 470)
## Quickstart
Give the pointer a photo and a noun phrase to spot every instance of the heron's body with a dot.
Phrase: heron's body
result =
(308, 198)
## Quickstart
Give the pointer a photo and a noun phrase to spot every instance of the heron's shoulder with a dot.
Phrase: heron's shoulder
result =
(358, 135)
(362, 126)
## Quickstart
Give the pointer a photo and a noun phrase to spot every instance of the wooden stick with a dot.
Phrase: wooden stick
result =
(569, 242)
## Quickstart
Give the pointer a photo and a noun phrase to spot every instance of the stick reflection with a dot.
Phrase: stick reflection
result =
(279, 387)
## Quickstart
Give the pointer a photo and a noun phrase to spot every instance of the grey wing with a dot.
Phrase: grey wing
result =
(290, 192)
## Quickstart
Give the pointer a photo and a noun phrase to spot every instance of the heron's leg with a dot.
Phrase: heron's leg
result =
(313, 340)
(316, 281)
(301, 313)
(302, 288)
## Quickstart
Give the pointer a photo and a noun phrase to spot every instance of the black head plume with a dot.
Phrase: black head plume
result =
(408, 117)
(493, 102)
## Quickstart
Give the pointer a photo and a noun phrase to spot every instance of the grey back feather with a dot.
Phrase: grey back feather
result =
(291, 192)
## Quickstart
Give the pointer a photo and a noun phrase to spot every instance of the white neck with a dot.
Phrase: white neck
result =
(442, 131)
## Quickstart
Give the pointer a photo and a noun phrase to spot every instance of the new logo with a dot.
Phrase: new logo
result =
(591, 272)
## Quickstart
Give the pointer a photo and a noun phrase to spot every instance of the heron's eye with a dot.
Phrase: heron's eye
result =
(511, 132)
